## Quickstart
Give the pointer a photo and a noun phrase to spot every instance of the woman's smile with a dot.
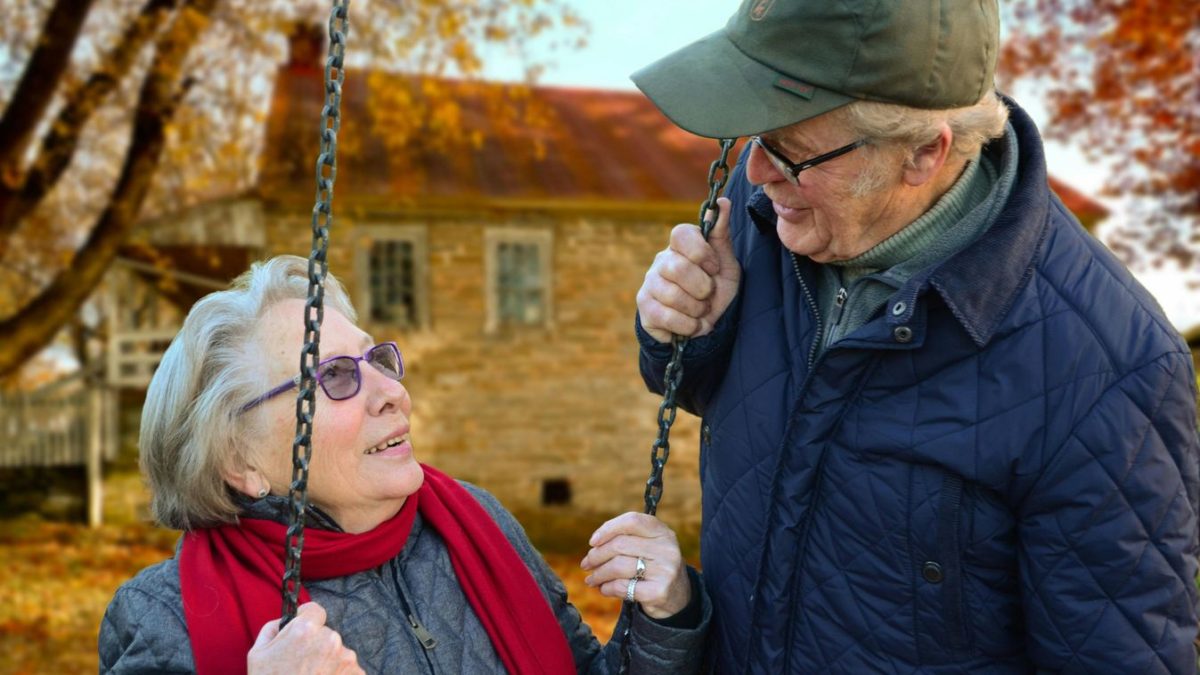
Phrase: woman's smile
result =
(397, 446)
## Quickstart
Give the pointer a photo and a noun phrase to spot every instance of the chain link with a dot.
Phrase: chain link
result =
(718, 175)
(314, 308)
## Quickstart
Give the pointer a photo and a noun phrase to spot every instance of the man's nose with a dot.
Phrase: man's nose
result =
(759, 169)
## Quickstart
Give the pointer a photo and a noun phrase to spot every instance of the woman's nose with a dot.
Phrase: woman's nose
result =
(386, 393)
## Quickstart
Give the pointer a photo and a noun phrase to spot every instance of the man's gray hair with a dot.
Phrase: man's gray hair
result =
(910, 128)
(191, 427)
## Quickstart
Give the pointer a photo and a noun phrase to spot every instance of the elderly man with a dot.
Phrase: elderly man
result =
(944, 430)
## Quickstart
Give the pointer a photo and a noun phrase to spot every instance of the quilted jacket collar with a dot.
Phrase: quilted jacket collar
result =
(980, 283)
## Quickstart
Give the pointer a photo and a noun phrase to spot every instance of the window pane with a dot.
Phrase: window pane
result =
(519, 283)
(392, 277)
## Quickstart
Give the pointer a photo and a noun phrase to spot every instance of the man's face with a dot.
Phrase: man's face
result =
(824, 217)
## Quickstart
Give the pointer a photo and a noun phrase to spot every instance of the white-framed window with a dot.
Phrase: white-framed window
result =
(392, 268)
(518, 264)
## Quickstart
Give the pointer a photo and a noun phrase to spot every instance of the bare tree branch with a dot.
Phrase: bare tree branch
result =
(36, 88)
(19, 199)
(25, 333)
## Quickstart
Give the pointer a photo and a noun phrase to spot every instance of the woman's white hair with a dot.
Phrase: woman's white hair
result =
(191, 429)
(911, 128)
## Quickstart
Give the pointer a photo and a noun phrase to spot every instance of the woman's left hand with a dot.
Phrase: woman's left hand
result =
(664, 589)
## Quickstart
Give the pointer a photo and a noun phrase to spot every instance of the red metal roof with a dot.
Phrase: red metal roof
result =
(595, 146)
(1084, 208)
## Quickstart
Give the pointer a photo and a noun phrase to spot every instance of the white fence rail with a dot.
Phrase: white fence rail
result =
(45, 427)
(133, 355)
(67, 423)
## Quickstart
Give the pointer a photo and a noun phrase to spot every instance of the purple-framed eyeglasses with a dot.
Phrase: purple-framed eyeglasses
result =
(340, 376)
(791, 170)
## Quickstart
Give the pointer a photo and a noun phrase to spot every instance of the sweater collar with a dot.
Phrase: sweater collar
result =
(277, 508)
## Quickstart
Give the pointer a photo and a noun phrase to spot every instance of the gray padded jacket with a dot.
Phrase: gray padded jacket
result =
(143, 630)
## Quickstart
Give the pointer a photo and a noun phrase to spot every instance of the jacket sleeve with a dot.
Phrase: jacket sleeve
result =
(1108, 531)
(704, 362)
(654, 647)
(143, 634)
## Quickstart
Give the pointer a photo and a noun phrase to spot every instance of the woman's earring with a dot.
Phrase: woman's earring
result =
(262, 492)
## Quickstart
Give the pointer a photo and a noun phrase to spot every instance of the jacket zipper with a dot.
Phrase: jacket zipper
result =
(818, 483)
(819, 470)
(419, 630)
(812, 357)
(423, 634)
(812, 304)
(839, 303)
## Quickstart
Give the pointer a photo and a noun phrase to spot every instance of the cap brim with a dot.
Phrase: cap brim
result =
(712, 89)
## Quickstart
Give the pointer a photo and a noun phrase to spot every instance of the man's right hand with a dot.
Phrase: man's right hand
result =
(691, 283)
(306, 646)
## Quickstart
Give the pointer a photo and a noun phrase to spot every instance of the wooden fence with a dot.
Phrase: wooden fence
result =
(68, 423)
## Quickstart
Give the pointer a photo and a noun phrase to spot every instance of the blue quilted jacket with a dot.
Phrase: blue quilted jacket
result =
(996, 474)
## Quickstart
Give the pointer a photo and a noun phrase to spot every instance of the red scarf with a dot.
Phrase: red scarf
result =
(231, 577)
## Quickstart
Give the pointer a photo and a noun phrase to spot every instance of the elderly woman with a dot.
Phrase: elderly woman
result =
(404, 569)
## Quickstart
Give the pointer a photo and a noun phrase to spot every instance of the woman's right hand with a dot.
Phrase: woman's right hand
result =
(305, 646)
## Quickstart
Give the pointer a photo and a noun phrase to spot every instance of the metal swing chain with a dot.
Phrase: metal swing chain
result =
(314, 308)
(718, 175)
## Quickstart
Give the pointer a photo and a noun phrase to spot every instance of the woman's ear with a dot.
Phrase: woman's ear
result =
(247, 480)
(927, 161)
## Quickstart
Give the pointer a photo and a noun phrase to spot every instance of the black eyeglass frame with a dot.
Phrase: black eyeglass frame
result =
(295, 381)
(791, 170)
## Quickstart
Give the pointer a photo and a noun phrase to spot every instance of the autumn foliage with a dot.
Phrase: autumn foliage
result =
(1121, 79)
(113, 110)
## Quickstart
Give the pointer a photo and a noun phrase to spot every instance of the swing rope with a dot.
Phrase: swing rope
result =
(314, 308)
(718, 175)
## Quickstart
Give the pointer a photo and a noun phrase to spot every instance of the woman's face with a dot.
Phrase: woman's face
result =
(350, 477)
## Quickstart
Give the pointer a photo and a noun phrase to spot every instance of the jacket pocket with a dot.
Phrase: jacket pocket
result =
(949, 551)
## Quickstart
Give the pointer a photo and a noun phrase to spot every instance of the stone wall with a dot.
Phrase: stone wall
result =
(515, 407)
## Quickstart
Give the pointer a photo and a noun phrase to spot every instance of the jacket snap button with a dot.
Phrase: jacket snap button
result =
(902, 334)
(932, 572)
(705, 434)
(898, 308)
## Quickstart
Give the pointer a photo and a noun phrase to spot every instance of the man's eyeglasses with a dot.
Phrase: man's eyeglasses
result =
(340, 376)
(790, 170)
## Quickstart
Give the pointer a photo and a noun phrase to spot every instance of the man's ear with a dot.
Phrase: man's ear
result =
(928, 160)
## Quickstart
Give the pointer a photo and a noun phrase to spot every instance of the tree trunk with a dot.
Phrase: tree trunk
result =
(34, 326)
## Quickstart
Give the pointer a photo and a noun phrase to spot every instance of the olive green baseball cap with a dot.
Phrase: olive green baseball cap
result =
(778, 62)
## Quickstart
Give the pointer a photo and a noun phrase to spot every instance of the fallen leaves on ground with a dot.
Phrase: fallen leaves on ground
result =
(58, 579)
